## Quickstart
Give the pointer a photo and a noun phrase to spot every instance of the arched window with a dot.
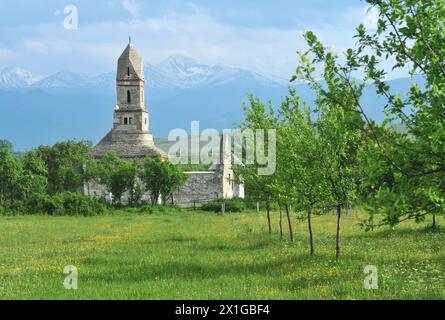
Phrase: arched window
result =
(128, 96)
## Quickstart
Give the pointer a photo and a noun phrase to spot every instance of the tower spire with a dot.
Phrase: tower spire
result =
(129, 40)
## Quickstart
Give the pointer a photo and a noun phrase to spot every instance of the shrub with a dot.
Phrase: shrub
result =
(77, 204)
(232, 205)
(42, 203)
(67, 203)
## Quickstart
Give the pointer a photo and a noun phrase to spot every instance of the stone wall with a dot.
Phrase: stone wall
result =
(201, 187)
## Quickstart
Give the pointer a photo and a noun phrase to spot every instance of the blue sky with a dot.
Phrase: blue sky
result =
(260, 35)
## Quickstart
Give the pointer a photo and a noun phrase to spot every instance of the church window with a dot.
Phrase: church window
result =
(128, 97)
(130, 120)
(128, 71)
(125, 121)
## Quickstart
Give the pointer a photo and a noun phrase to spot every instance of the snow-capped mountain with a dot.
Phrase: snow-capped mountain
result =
(175, 72)
(17, 78)
(182, 72)
(61, 79)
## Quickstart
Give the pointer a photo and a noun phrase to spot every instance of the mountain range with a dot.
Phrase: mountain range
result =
(42, 110)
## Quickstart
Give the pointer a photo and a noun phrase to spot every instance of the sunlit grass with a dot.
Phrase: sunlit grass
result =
(195, 255)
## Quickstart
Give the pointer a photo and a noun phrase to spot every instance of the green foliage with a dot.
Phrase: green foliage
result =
(76, 204)
(49, 179)
(161, 178)
(67, 203)
(231, 205)
(406, 169)
(124, 178)
(258, 116)
(119, 176)
(10, 176)
(400, 173)
(64, 162)
(33, 179)
(301, 157)
(5, 144)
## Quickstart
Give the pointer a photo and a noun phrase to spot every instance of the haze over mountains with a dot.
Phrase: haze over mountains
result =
(42, 110)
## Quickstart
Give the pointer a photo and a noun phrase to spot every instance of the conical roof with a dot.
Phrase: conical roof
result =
(130, 58)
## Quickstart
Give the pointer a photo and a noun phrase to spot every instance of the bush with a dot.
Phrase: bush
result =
(67, 203)
(40, 203)
(77, 204)
(232, 205)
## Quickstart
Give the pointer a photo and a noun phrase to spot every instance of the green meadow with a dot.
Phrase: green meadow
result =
(197, 255)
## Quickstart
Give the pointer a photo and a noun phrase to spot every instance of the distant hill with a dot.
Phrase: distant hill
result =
(66, 105)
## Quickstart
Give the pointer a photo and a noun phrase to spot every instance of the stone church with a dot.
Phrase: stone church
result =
(131, 139)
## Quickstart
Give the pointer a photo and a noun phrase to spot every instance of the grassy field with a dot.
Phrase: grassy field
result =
(196, 255)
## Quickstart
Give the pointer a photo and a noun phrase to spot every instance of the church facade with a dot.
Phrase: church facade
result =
(131, 139)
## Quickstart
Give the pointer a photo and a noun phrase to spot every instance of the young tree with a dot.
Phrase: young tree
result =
(152, 176)
(300, 159)
(162, 178)
(124, 178)
(404, 168)
(119, 176)
(261, 187)
(411, 34)
(174, 178)
(340, 126)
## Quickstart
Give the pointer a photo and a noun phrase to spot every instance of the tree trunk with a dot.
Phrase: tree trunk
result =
(434, 221)
(268, 218)
(311, 238)
(257, 207)
(223, 208)
(337, 247)
(289, 222)
(281, 222)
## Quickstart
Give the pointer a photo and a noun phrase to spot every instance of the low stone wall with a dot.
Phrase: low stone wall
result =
(200, 187)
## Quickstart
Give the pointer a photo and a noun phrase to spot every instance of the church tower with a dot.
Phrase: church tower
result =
(130, 113)
(130, 136)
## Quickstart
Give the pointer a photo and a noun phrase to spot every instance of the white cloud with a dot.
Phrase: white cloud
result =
(91, 49)
(131, 7)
